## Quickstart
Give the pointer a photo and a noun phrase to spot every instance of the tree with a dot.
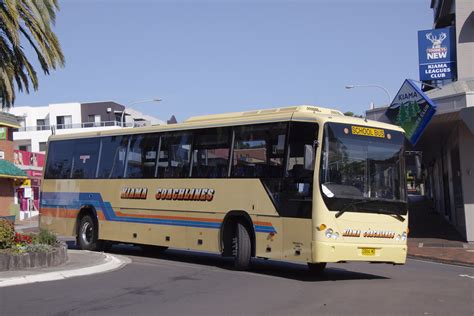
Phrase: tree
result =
(29, 21)
(402, 116)
(349, 113)
(413, 109)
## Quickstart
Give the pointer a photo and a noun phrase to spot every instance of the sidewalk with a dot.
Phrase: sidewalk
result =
(432, 238)
(80, 263)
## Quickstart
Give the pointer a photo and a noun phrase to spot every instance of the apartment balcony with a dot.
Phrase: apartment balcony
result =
(79, 125)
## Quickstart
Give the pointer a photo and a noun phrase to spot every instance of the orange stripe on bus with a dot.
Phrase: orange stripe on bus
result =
(170, 217)
(59, 212)
(263, 223)
(65, 213)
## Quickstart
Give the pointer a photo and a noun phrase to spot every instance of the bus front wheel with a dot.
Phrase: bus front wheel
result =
(87, 234)
(241, 247)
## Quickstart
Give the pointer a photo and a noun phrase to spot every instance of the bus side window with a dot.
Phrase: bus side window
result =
(141, 156)
(259, 151)
(211, 151)
(85, 157)
(300, 155)
(59, 162)
(112, 158)
(175, 155)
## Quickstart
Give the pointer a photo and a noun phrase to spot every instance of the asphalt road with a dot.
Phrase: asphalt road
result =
(185, 283)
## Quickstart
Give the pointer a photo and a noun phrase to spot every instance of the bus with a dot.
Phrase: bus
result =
(303, 184)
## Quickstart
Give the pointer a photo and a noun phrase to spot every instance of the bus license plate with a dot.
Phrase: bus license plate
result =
(368, 251)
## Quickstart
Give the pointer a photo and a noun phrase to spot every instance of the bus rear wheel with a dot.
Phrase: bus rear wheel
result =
(241, 247)
(87, 234)
(317, 268)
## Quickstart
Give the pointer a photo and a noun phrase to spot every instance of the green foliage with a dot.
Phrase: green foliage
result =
(19, 249)
(349, 113)
(7, 234)
(46, 237)
(22, 23)
(402, 116)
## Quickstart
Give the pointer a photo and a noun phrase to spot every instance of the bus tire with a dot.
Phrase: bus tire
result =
(241, 247)
(87, 234)
(317, 268)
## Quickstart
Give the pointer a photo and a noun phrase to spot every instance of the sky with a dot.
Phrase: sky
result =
(215, 56)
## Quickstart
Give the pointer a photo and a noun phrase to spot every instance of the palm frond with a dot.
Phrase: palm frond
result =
(29, 20)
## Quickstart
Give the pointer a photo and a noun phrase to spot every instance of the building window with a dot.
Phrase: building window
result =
(23, 147)
(93, 120)
(40, 125)
(63, 122)
(42, 146)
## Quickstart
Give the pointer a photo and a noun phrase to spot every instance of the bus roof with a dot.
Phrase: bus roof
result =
(300, 112)
(300, 108)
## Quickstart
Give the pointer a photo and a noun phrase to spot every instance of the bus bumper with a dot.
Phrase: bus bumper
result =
(337, 252)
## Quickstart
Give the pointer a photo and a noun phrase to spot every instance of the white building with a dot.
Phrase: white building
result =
(447, 144)
(40, 122)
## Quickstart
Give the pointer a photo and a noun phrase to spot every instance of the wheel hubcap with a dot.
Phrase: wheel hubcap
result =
(86, 233)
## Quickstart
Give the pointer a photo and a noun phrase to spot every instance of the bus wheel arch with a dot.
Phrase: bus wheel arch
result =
(87, 229)
(229, 229)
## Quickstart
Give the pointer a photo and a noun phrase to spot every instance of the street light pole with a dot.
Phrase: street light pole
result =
(352, 86)
(137, 102)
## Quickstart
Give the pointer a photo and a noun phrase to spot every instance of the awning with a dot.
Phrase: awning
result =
(9, 170)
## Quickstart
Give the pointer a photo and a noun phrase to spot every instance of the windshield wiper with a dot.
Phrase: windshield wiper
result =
(368, 201)
(344, 209)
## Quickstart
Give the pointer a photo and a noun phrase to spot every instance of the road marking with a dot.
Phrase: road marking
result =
(111, 262)
(440, 263)
(466, 276)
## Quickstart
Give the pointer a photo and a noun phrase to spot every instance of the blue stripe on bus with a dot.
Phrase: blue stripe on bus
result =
(77, 200)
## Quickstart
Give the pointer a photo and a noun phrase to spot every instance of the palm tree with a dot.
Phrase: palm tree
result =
(29, 21)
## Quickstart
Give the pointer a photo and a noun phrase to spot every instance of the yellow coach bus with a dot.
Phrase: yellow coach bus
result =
(299, 183)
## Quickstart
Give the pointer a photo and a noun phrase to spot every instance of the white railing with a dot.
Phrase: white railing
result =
(79, 125)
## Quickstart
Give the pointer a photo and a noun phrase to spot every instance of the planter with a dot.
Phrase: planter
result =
(9, 218)
(51, 258)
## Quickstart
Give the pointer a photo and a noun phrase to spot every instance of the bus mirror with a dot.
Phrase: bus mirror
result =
(309, 157)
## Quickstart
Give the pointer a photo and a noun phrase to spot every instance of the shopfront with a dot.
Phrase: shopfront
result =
(28, 190)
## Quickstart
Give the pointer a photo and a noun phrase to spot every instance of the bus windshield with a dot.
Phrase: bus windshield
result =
(363, 164)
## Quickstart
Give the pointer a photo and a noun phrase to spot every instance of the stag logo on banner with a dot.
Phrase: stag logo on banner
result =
(436, 51)
(437, 54)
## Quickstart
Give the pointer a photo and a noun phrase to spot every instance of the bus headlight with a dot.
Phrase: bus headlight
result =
(329, 232)
(398, 237)
(404, 236)
(335, 236)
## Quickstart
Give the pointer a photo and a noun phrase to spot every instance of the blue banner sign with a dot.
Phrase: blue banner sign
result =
(437, 54)
(412, 110)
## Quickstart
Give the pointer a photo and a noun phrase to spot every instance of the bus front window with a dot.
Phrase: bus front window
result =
(362, 164)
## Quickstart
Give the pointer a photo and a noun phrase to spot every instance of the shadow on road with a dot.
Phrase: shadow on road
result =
(287, 270)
